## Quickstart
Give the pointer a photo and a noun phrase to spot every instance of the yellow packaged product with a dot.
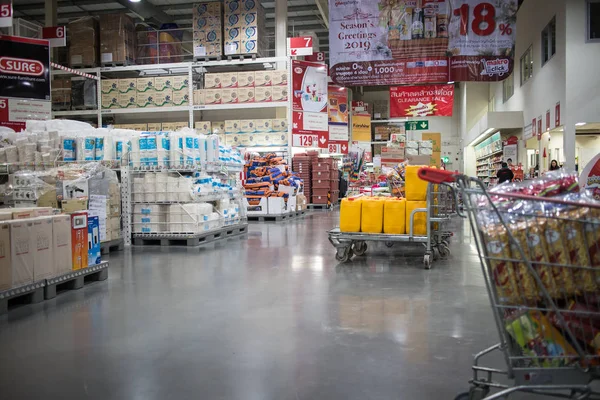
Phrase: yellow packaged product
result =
(394, 216)
(573, 234)
(497, 249)
(592, 234)
(539, 254)
(420, 219)
(526, 285)
(372, 216)
(350, 215)
(415, 187)
(558, 254)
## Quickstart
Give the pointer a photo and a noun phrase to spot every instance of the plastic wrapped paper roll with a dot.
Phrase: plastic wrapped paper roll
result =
(135, 156)
(89, 149)
(12, 154)
(54, 155)
(99, 146)
(188, 151)
(109, 150)
(69, 147)
(152, 151)
(80, 148)
(196, 150)
(2, 155)
(175, 150)
(202, 144)
(163, 143)
(144, 150)
(212, 151)
(150, 197)
(42, 143)
(27, 152)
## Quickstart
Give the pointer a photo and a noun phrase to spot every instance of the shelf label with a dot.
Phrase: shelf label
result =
(56, 35)
(6, 14)
(300, 46)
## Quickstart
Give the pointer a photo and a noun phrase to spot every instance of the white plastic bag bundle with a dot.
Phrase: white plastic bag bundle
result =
(163, 152)
(12, 154)
(99, 148)
(89, 152)
(151, 151)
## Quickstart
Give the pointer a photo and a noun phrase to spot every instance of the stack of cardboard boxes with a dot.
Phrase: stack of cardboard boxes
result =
(154, 126)
(83, 42)
(207, 29)
(61, 94)
(243, 87)
(302, 165)
(117, 39)
(325, 181)
(245, 28)
(256, 132)
(37, 245)
(161, 91)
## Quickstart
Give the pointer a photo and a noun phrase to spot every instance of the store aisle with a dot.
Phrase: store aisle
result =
(272, 317)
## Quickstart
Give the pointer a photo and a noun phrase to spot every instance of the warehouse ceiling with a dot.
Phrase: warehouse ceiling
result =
(303, 15)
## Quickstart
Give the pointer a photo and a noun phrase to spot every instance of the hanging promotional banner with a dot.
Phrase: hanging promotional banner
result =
(338, 119)
(310, 127)
(591, 177)
(421, 101)
(361, 128)
(420, 41)
(24, 68)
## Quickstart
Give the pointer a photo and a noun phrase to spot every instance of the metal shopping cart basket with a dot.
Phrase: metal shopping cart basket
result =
(540, 258)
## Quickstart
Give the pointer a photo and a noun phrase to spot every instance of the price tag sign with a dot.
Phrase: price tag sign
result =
(6, 14)
(338, 148)
(56, 35)
(305, 140)
(300, 46)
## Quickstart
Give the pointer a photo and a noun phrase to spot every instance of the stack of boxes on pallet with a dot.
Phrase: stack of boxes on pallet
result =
(117, 39)
(161, 91)
(207, 29)
(325, 181)
(243, 87)
(245, 28)
(302, 166)
(83, 42)
(37, 245)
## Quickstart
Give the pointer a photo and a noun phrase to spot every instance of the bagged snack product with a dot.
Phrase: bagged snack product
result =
(574, 237)
(592, 235)
(503, 273)
(558, 254)
(539, 254)
(582, 329)
(538, 338)
(525, 281)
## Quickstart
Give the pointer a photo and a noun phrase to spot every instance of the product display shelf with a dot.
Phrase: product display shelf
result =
(497, 152)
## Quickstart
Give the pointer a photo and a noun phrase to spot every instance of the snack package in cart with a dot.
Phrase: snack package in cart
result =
(538, 338)
(553, 183)
(525, 281)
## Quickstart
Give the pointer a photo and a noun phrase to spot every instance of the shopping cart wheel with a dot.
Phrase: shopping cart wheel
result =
(436, 254)
(389, 244)
(427, 261)
(462, 396)
(476, 393)
(344, 254)
(444, 250)
(359, 248)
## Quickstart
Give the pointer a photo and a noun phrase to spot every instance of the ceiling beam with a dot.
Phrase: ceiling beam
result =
(147, 11)
(40, 6)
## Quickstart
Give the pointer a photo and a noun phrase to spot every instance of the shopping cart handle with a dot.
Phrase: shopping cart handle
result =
(434, 175)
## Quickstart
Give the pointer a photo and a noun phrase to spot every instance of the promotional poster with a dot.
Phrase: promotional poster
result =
(24, 68)
(310, 125)
(421, 101)
(420, 41)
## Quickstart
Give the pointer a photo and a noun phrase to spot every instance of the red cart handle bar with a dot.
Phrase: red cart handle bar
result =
(437, 176)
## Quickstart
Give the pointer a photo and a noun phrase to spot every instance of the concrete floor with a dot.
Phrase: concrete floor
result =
(270, 317)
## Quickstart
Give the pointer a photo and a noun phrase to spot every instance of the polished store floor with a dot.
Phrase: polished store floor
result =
(270, 317)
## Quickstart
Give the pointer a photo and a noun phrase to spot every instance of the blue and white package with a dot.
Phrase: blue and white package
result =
(118, 150)
(69, 149)
(151, 151)
(197, 150)
(143, 150)
(89, 149)
(164, 150)
(188, 150)
(99, 145)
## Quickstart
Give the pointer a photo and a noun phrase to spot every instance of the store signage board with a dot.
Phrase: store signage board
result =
(15, 112)
(421, 101)
(339, 131)
(56, 35)
(309, 104)
(416, 125)
(557, 115)
(24, 68)
(300, 46)
(361, 128)
(539, 128)
(547, 120)
(319, 57)
(408, 41)
(6, 14)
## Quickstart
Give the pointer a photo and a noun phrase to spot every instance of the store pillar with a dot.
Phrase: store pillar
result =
(569, 145)
(281, 10)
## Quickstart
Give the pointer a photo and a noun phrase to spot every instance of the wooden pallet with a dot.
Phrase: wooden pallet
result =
(208, 58)
(117, 64)
(319, 206)
(60, 108)
(75, 280)
(112, 245)
(30, 293)
(241, 57)
(79, 66)
(276, 218)
(189, 240)
(83, 108)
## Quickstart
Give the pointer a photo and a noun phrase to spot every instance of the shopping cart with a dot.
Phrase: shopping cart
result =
(441, 207)
(541, 264)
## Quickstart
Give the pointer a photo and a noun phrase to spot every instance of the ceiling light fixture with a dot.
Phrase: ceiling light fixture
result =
(135, 1)
(581, 124)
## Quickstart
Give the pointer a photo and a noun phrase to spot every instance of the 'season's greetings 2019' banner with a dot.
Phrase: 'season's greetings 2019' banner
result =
(395, 42)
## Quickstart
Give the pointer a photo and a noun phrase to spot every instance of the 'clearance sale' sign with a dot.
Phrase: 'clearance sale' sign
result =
(421, 101)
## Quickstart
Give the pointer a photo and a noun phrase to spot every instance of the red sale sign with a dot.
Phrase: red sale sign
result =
(56, 35)
(557, 115)
(309, 104)
(421, 101)
(6, 14)
(300, 46)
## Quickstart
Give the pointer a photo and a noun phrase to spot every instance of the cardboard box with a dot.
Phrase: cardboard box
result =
(117, 39)
(61, 240)
(199, 97)
(212, 81)
(6, 215)
(181, 97)
(127, 85)
(230, 96)
(94, 257)
(164, 98)
(163, 82)
(203, 127)
(280, 93)
(110, 101)
(218, 127)
(145, 84)
(247, 126)
(280, 125)
(24, 213)
(232, 126)
(22, 252)
(114, 223)
(181, 83)
(79, 240)
(263, 78)
(229, 80)
(74, 205)
(6, 273)
(246, 95)
(145, 99)
(279, 77)
(43, 266)
(436, 139)
(83, 42)
(110, 86)
(263, 94)
(213, 96)
(436, 160)
(232, 46)
(127, 100)
(154, 127)
(246, 79)
(263, 125)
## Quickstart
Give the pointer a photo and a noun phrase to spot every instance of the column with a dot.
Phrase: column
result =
(466, 158)
(51, 14)
(569, 141)
(281, 11)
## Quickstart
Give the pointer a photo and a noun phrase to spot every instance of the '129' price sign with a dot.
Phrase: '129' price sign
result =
(305, 140)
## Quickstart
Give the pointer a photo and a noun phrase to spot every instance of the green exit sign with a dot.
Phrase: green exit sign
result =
(446, 160)
(416, 125)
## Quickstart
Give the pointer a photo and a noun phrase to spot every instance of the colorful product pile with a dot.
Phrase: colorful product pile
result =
(208, 29)
(245, 27)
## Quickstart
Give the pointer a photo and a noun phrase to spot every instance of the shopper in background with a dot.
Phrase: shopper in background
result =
(343, 185)
(554, 165)
(505, 174)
